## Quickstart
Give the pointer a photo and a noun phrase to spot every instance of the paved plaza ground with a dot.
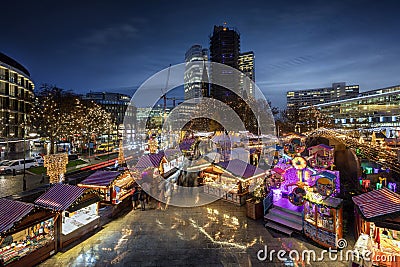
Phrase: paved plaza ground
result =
(218, 234)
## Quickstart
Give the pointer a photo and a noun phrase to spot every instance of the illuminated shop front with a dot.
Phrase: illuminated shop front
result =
(78, 208)
(232, 180)
(27, 233)
(309, 193)
(323, 219)
(113, 186)
(378, 223)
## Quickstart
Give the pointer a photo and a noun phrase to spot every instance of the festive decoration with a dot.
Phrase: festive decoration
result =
(56, 166)
(392, 186)
(121, 157)
(153, 145)
(297, 196)
(299, 163)
(325, 186)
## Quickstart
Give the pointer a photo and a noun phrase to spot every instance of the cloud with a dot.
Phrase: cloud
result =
(109, 34)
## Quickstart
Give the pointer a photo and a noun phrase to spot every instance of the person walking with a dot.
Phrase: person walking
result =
(135, 197)
(142, 198)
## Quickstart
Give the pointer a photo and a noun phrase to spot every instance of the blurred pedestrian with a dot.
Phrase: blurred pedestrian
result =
(135, 197)
(142, 198)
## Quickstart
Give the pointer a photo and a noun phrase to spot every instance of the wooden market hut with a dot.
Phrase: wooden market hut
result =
(151, 161)
(232, 180)
(27, 233)
(378, 217)
(77, 209)
(114, 186)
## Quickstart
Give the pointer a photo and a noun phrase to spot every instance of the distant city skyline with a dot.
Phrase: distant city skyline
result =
(98, 46)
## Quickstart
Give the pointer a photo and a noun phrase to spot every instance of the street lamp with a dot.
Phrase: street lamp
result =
(24, 176)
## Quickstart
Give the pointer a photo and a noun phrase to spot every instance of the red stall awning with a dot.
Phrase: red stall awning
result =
(377, 203)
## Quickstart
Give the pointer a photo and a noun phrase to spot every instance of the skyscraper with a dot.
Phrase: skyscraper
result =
(195, 59)
(246, 66)
(224, 49)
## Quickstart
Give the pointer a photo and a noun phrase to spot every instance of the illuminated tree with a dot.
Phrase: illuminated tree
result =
(61, 114)
(50, 113)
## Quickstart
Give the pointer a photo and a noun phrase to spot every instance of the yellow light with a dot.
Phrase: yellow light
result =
(56, 166)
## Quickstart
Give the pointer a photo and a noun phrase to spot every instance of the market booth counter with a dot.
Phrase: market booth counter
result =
(114, 186)
(378, 220)
(232, 180)
(78, 209)
(323, 220)
(27, 233)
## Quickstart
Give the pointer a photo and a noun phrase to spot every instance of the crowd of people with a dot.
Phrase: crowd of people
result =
(156, 192)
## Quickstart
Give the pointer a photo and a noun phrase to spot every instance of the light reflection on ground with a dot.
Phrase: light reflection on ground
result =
(218, 234)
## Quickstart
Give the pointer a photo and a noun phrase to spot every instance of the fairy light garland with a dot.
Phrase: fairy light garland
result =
(56, 166)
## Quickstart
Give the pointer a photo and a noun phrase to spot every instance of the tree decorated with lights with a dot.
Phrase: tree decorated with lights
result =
(50, 113)
(61, 114)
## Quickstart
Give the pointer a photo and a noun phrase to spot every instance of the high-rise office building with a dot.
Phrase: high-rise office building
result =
(195, 58)
(247, 67)
(224, 49)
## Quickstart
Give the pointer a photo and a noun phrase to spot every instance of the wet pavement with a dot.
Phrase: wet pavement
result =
(10, 184)
(218, 234)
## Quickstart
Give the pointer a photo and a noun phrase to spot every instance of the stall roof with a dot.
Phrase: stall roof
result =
(12, 211)
(60, 196)
(186, 144)
(101, 178)
(378, 203)
(240, 168)
(150, 160)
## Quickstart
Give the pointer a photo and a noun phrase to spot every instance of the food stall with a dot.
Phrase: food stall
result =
(113, 186)
(378, 217)
(323, 219)
(78, 210)
(232, 180)
(27, 233)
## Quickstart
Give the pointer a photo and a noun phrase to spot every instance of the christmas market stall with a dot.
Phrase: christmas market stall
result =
(174, 159)
(323, 219)
(232, 180)
(114, 186)
(308, 193)
(378, 222)
(78, 209)
(151, 161)
(27, 233)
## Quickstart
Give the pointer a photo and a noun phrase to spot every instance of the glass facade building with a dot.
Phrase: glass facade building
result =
(308, 97)
(247, 67)
(195, 59)
(370, 110)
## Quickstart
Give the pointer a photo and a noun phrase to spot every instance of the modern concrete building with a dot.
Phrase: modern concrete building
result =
(309, 97)
(16, 100)
(224, 49)
(195, 61)
(373, 109)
